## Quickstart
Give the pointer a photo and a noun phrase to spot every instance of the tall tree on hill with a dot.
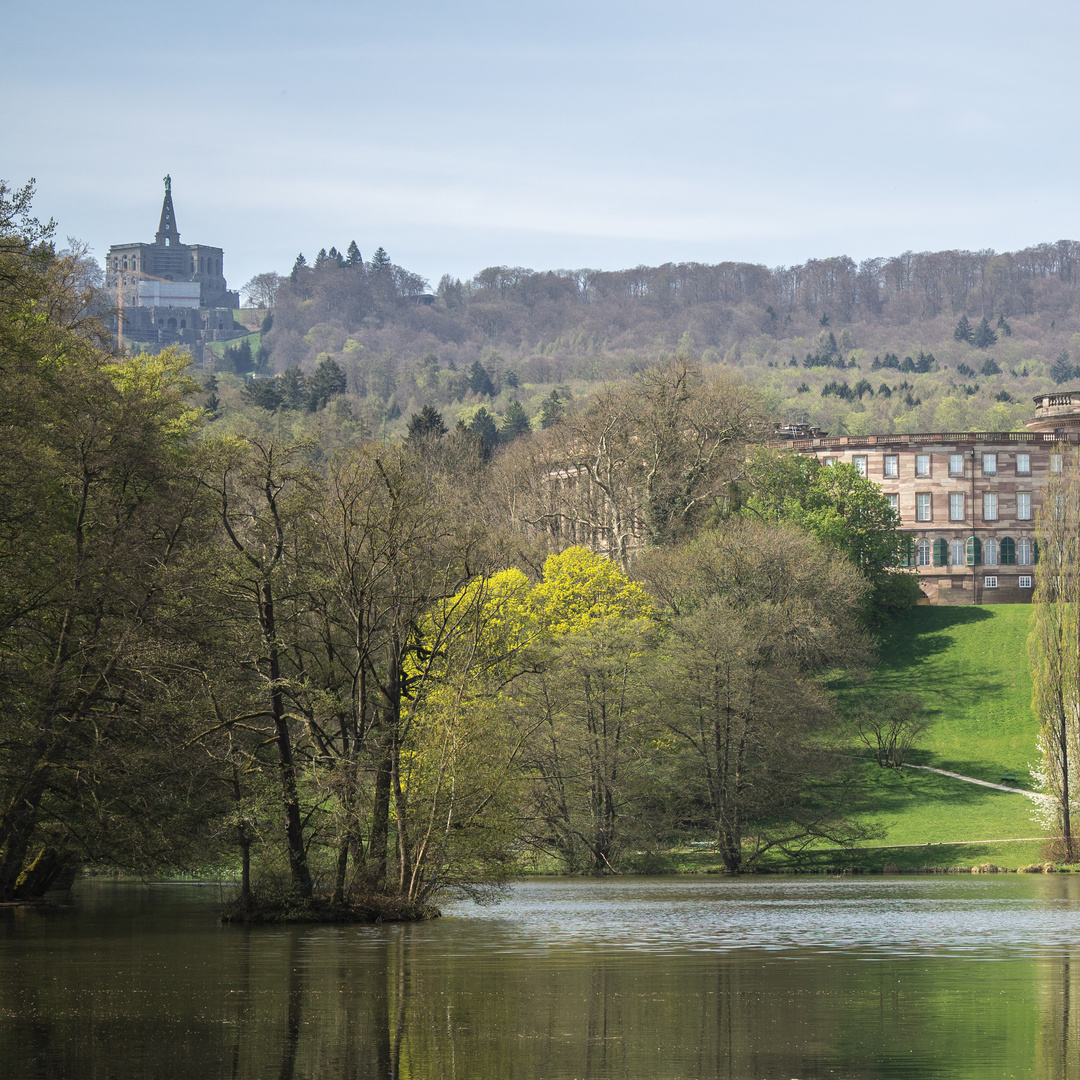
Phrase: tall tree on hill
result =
(262, 289)
(480, 381)
(425, 428)
(380, 261)
(963, 331)
(327, 381)
(984, 335)
(515, 423)
(1062, 370)
(352, 256)
(483, 425)
(1054, 646)
(552, 410)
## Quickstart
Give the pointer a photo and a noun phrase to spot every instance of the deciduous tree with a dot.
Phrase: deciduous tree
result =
(754, 614)
(1054, 646)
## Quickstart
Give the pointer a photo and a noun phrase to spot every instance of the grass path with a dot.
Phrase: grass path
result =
(982, 783)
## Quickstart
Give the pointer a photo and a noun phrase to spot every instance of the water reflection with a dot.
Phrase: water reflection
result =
(923, 977)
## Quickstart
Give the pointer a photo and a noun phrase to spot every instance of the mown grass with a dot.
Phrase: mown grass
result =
(970, 668)
(218, 347)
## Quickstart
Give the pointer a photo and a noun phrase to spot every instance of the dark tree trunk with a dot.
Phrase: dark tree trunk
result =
(294, 827)
(380, 824)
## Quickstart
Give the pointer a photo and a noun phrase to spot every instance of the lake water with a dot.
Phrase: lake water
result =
(763, 979)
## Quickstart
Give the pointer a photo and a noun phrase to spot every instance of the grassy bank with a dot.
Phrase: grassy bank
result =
(970, 667)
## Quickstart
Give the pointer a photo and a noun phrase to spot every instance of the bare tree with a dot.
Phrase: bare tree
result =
(890, 726)
(644, 462)
(261, 290)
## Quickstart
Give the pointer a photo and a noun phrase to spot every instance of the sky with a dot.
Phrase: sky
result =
(602, 134)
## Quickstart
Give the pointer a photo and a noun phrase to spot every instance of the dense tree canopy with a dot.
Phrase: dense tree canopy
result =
(376, 669)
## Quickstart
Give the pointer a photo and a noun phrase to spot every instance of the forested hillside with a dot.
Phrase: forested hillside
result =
(371, 676)
(932, 341)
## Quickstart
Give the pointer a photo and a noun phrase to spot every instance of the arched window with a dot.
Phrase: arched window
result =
(973, 551)
(1008, 551)
(957, 553)
(941, 552)
(922, 549)
(990, 553)
(1023, 552)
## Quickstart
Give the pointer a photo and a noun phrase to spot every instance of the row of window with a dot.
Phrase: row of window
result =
(1022, 582)
(991, 505)
(976, 552)
(993, 464)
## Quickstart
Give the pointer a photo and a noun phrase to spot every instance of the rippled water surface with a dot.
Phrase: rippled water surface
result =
(950, 976)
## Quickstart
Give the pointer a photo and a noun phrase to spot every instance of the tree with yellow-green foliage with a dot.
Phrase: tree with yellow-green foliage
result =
(459, 776)
(584, 707)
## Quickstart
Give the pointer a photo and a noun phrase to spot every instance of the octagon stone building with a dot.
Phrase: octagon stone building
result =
(168, 292)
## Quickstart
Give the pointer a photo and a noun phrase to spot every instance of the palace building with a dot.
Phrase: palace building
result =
(169, 292)
(969, 500)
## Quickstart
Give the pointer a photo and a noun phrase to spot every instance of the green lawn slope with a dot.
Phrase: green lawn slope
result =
(969, 666)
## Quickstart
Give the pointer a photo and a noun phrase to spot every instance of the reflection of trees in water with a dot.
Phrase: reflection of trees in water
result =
(1058, 1047)
(294, 1002)
(354, 1012)
(243, 996)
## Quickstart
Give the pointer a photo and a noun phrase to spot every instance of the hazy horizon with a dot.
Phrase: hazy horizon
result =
(549, 135)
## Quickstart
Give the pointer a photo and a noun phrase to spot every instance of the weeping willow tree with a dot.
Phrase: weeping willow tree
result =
(1054, 645)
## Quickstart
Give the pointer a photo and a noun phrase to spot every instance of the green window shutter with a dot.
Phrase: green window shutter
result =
(907, 555)
(973, 551)
(1035, 552)
(1008, 551)
(941, 552)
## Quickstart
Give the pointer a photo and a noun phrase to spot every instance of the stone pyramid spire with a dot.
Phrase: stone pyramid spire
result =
(168, 235)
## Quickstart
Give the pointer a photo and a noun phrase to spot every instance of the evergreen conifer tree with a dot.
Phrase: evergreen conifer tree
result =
(480, 381)
(515, 423)
(327, 381)
(352, 256)
(380, 261)
(427, 425)
(551, 412)
(483, 425)
(293, 389)
(1061, 370)
(984, 336)
(963, 331)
